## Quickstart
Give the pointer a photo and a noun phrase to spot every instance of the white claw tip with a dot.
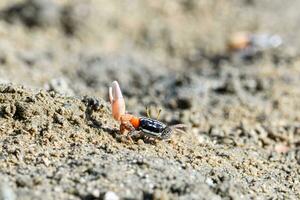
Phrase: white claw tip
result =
(116, 91)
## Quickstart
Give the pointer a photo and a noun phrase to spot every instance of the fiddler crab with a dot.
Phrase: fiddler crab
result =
(138, 126)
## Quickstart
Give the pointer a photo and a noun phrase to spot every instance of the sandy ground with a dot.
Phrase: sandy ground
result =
(58, 139)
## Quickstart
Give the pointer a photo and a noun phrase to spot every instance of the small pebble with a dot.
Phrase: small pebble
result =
(160, 195)
(6, 193)
(110, 196)
(281, 148)
(140, 142)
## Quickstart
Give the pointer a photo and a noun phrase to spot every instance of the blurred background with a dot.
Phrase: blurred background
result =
(178, 55)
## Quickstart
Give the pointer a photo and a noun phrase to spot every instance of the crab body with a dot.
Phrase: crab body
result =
(154, 128)
(142, 126)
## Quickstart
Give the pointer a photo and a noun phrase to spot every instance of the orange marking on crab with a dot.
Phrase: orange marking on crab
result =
(134, 121)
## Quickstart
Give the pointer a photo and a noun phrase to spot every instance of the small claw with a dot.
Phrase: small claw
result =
(117, 101)
(179, 128)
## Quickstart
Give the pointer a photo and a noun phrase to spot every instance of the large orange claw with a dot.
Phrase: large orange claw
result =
(117, 101)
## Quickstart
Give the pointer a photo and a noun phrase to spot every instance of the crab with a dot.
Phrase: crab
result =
(134, 126)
